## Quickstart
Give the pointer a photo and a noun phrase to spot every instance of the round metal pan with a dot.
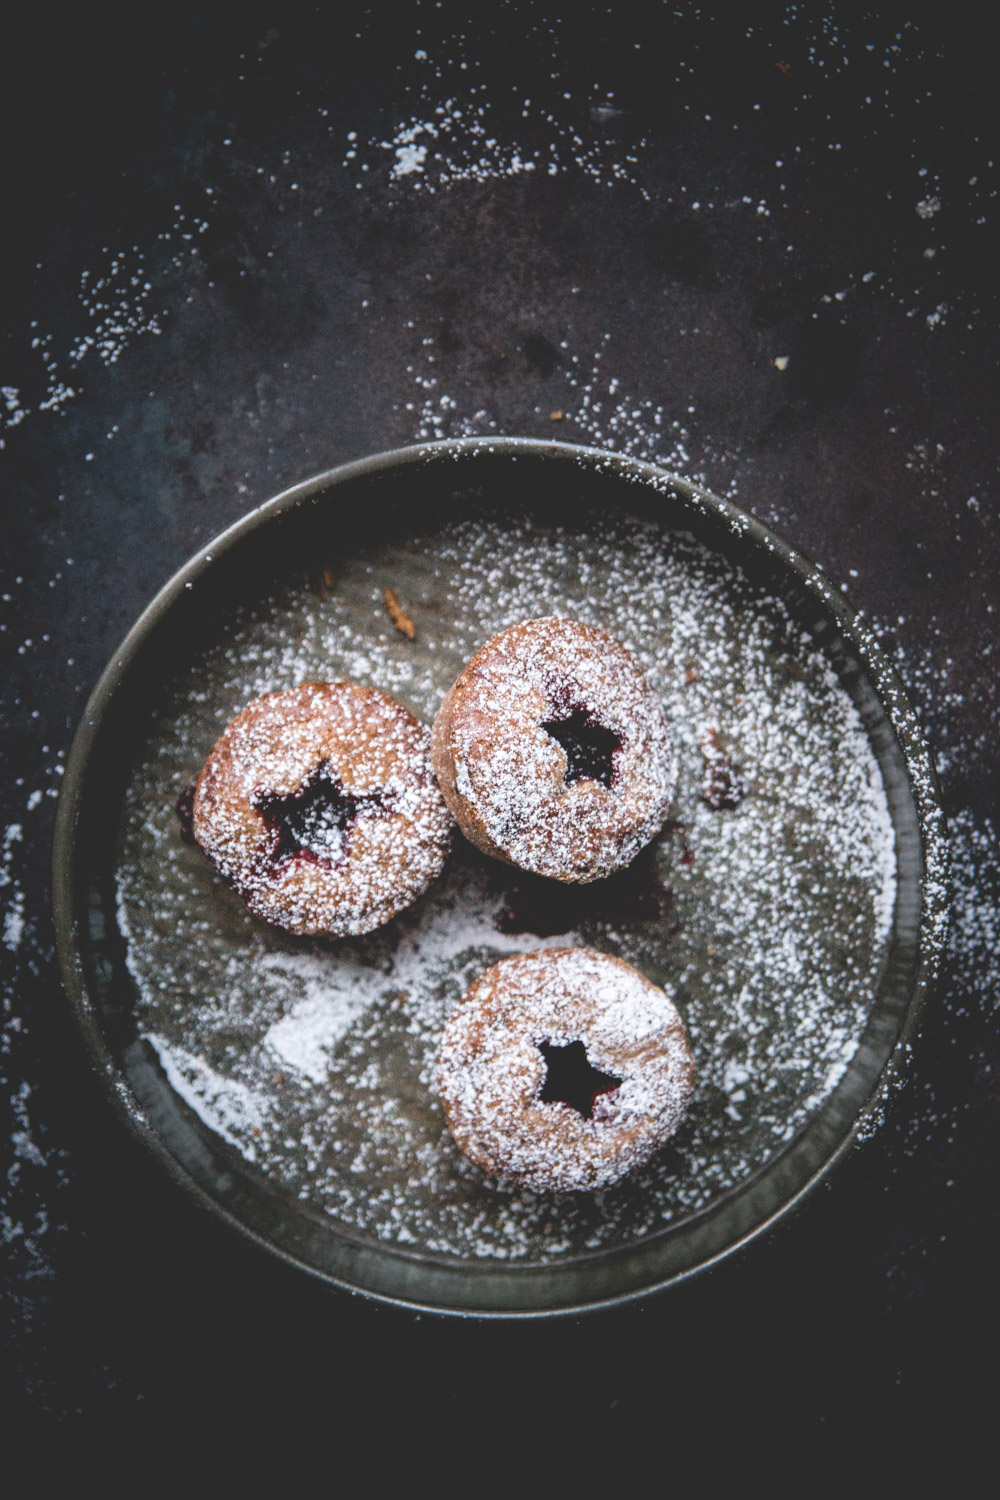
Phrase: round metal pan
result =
(317, 531)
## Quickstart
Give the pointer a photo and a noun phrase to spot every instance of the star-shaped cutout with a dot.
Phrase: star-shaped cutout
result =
(589, 746)
(571, 1079)
(315, 818)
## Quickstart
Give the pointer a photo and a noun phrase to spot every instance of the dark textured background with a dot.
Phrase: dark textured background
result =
(299, 326)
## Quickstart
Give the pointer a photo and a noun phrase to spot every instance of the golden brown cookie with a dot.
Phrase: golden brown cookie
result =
(563, 1070)
(319, 805)
(553, 752)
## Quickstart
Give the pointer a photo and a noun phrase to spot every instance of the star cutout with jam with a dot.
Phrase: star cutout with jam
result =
(571, 1079)
(315, 819)
(589, 746)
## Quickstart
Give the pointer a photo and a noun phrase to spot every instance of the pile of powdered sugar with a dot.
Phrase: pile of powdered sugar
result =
(317, 1060)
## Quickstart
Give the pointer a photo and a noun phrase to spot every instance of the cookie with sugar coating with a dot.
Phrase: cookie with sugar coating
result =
(320, 807)
(564, 1069)
(553, 751)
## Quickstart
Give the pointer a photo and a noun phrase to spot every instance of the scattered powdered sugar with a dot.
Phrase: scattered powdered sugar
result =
(974, 937)
(330, 1004)
(12, 412)
(318, 1059)
(459, 138)
(232, 1109)
(13, 915)
(602, 409)
(119, 300)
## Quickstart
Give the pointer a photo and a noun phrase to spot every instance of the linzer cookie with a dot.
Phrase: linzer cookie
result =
(553, 752)
(563, 1070)
(320, 807)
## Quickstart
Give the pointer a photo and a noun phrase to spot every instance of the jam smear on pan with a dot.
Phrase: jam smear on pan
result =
(185, 811)
(721, 784)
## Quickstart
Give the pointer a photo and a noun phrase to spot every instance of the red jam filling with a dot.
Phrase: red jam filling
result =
(314, 821)
(590, 747)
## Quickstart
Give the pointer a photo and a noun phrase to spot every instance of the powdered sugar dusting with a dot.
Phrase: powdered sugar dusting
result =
(230, 1107)
(777, 911)
(13, 900)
